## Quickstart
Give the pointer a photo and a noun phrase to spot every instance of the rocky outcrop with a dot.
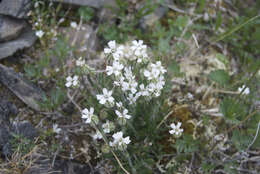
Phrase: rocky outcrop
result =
(10, 28)
(8, 129)
(25, 40)
(15, 8)
(15, 33)
(22, 88)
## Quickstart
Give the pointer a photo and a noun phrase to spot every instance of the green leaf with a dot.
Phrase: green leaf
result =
(201, 5)
(208, 167)
(219, 76)
(233, 111)
(222, 58)
(175, 68)
(187, 144)
(30, 71)
(86, 13)
(219, 20)
(241, 139)
(182, 21)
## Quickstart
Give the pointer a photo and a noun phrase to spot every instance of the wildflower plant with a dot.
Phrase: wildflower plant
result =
(126, 105)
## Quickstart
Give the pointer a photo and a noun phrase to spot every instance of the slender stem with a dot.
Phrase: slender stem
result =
(165, 118)
(256, 135)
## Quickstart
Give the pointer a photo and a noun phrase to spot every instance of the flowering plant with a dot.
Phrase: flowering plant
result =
(127, 103)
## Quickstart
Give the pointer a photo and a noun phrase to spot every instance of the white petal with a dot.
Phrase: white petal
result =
(107, 50)
(91, 110)
(127, 140)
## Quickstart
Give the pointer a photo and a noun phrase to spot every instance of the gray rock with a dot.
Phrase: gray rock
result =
(91, 3)
(25, 40)
(23, 89)
(22, 129)
(4, 134)
(25, 129)
(15, 8)
(6, 109)
(10, 28)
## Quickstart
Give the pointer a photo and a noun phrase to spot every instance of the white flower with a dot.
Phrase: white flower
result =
(106, 97)
(119, 53)
(190, 96)
(176, 129)
(88, 114)
(132, 99)
(72, 81)
(154, 71)
(119, 82)
(115, 69)
(125, 86)
(73, 24)
(143, 91)
(120, 141)
(106, 127)
(132, 86)
(138, 45)
(128, 73)
(139, 51)
(80, 62)
(39, 33)
(158, 66)
(123, 115)
(111, 47)
(153, 74)
(246, 91)
(112, 44)
(97, 135)
(119, 104)
(56, 128)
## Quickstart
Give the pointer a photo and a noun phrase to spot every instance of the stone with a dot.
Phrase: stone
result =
(90, 3)
(25, 40)
(6, 109)
(25, 129)
(10, 28)
(15, 8)
(22, 88)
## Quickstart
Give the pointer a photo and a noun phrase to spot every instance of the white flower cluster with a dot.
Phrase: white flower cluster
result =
(176, 129)
(126, 75)
(134, 74)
